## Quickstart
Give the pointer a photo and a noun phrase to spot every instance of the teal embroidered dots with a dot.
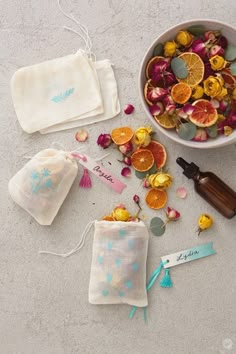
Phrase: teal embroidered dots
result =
(62, 96)
(118, 262)
(109, 277)
(131, 244)
(135, 266)
(109, 245)
(121, 293)
(128, 284)
(122, 233)
(100, 259)
(105, 292)
(40, 180)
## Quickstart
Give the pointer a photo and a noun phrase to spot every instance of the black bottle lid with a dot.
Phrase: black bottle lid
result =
(190, 169)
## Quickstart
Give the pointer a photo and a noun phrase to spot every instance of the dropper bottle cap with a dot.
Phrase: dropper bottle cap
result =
(190, 169)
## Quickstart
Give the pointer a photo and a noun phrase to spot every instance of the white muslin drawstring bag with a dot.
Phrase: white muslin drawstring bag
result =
(118, 269)
(42, 185)
(66, 92)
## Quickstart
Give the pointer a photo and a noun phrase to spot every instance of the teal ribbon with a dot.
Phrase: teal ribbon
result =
(151, 281)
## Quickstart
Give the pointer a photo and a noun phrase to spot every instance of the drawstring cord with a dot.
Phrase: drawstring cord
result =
(79, 245)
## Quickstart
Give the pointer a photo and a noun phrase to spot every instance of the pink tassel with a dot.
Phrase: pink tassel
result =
(85, 181)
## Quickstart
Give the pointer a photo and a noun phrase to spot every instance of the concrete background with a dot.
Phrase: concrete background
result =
(44, 300)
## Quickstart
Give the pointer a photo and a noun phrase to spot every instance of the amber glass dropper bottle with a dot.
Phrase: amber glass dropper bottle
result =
(211, 188)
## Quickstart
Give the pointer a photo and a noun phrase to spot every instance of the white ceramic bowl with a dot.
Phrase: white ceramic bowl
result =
(230, 33)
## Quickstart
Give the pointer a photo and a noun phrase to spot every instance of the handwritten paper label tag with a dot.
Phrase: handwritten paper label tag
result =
(188, 255)
(102, 174)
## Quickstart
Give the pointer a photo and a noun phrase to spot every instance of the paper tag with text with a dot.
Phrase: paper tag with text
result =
(188, 255)
(105, 176)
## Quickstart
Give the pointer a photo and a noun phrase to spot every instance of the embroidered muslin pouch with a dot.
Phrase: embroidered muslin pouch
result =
(56, 91)
(41, 186)
(110, 100)
(118, 270)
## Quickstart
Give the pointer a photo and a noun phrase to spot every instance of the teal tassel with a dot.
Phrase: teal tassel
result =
(166, 281)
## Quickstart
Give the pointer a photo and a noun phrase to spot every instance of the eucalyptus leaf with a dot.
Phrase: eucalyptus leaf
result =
(196, 30)
(212, 131)
(142, 175)
(232, 68)
(230, 52)
(157, 226)
(158, 50)
(187, 131)
(179, 68)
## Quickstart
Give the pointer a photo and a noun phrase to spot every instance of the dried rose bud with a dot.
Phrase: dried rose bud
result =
(128, 109)
(201, 135)
(216, 50)
(104, 140)
(209, 36)
(199, 47)
(170, 109)
(81, 135)
(156, 109)
(146, 183)
(126, 148)
(136, 198)
(156, 94)
(222, 42)
(126, 172)
(223, 105)
(172, 214)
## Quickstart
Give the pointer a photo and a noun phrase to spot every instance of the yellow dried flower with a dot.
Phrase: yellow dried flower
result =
(170, 48)
(142, 136)
(160, 180)
(184, 38)
(213, 87)
(120, 214)
(227, 130)
(205, 221)
(197, 92)
(217, 62)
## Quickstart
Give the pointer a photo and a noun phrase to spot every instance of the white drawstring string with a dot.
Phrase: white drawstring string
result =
(77, 247)
(84, 35)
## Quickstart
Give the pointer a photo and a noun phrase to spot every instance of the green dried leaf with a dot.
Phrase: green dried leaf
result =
(179, 68)
(232, 68)
(212, 131)
(142, 175)
(196, 30)
(187, 131)
(230, 52)
(157, 226)
(158, 50)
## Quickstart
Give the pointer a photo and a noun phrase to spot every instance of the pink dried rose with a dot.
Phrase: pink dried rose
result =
(126, 148)
(181, 192)
(156, 109)
(216, 50)
(199, 47)
(201, 135)
(126, 161)
(172, 214)
(146, 183)
(128, 109)
(126, 172)
(156, 94)
(104, 140)
(81, 135)
(222, 42)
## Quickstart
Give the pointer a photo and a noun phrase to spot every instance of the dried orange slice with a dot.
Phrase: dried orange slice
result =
(159, 153)
(122, 135)
(152, 62)
(142, 160)
(195, 68)
(147, 87)
(181, 92)
(166, 121)
(108, 218)
(156, 199)
(204, 114)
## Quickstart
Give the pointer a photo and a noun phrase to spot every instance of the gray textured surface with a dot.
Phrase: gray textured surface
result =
(43, 300)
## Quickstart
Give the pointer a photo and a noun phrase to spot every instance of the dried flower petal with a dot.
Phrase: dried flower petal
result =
(156, 109)
(81, 135)
(172, 214)
(188, 108)
(181, 192)
(126, 172)
(128, 109)
(104, 140)
(126, 148)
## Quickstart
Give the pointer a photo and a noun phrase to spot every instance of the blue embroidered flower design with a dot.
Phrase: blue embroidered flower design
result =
(62, 96)
(40, 180)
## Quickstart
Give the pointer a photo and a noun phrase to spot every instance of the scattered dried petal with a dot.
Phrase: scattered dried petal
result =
(181, 192)
(81, 135)
(126, 172)
(128, 109)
